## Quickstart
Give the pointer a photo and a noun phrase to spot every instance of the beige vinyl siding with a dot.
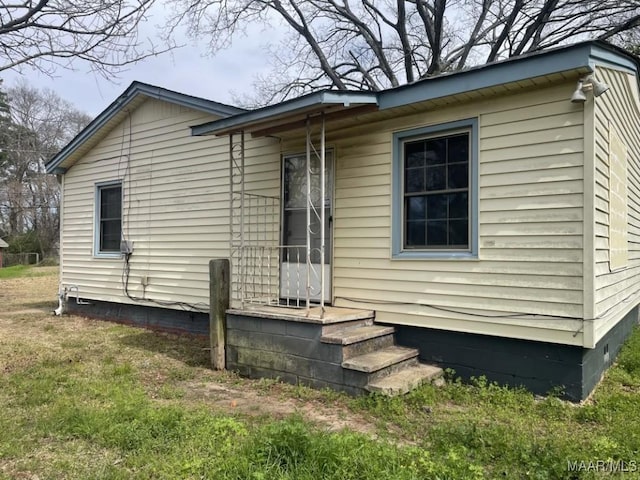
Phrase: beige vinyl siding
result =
(617, 109)
(175, 206)
(530, 264)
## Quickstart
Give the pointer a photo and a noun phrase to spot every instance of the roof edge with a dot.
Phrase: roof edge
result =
(609, 55)
(136, 88)
(291, 106)
(577, 56)
(510, 70)
(186, 100)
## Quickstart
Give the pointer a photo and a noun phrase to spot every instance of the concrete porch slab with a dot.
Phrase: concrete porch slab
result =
(315, 314)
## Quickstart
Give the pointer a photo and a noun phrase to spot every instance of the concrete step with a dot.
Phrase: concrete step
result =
(358, 340)
(375, 361)
(354, 334)
(330, 328)
(405, 380)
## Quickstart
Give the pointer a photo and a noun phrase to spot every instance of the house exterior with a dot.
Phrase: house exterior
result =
(175, 217)
(484, 214)
(3, 245)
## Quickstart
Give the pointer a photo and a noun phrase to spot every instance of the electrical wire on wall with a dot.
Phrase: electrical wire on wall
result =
(189, 307)
(506, 315)
(514, 315)
(127, 199)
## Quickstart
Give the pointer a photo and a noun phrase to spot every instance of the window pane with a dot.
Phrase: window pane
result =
(436, 151)
(416, 208)
(458, 148)
(436, 178)
(295, 181)
(436, 188)
(414, 154)
(414, 180)
(437, 233)
(458, 205)
(110, 235)
(458, 175)
(415, 234)
(459, 233)
(294, 227)
(110, 202)
(437, 206)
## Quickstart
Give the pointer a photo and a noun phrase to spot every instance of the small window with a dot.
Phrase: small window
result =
(109, 218)
(435, 191)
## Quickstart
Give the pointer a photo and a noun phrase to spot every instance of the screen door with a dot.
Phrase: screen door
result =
(293, 272)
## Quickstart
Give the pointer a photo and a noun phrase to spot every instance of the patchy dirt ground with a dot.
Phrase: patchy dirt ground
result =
(171, 367)
(272, 399)
(34, 293)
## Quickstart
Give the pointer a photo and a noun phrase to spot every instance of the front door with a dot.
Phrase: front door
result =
(293, 272)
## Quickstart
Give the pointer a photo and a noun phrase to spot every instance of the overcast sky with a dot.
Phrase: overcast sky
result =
(186, 70)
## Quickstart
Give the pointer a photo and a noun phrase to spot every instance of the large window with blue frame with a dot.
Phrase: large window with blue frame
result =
(435, 191)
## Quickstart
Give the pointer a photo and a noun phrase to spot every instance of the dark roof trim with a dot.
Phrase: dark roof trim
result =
(197, 103)
(134, 90)
(609, 55)
(312, 101)
(580, 56)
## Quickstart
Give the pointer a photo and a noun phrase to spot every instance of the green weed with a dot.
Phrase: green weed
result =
(18, 271)
(291, 449)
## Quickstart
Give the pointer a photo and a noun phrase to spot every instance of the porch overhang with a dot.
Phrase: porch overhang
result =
(292, 114)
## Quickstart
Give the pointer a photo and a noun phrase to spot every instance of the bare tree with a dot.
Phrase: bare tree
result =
(376, 44)
(38, 125)
(45, 34)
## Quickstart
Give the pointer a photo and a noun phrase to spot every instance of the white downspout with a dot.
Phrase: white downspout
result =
(60, 247)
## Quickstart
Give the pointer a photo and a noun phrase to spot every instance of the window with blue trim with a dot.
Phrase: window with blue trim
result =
(435, 191)
(108, 218)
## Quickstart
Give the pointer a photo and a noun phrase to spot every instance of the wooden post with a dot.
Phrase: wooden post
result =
(219, 281)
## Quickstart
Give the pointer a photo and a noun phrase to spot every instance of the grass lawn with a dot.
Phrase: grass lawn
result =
(84, 399)
(18, 271)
